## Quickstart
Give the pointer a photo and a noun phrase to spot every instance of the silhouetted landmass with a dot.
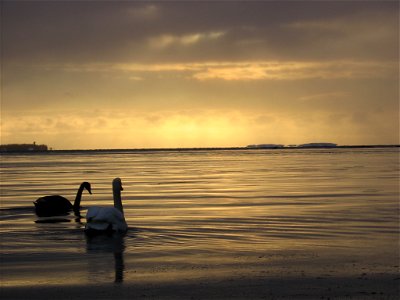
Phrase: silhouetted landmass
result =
(279, 146)
(318, 145)
(23, 148)
(215, 149)
(26, 149)
(266, 146)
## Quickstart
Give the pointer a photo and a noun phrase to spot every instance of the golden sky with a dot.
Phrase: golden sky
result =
(139, 74)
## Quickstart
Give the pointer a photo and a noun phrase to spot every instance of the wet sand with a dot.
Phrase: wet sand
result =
(384, 286)
(276, 275)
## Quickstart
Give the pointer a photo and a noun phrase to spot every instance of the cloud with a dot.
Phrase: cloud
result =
(338, 95)
(298, 63)
(250, 70)
(169, 40)
(197, 128)
(136, 78)
(359, 35)
(145, 12)
(75, 31)
(107, 129)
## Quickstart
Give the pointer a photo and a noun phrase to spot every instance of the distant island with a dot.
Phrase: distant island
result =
(35, 148)
(266, 146)
(279, 146)
(23, 148)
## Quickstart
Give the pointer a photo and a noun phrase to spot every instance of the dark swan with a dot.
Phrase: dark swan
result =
(107, 219)
(56, 205)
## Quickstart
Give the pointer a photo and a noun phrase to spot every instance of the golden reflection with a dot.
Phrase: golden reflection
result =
(104, 244)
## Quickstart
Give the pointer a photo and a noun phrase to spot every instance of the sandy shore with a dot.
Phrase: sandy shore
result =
(192, 275)
(384, 286)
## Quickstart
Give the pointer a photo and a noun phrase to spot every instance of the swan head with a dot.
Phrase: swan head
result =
(117, 185)
(87, 186)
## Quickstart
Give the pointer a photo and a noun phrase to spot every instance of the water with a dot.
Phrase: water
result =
(203, 214)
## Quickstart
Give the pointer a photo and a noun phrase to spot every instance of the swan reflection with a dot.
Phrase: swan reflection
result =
(110, 243)
(77, 217)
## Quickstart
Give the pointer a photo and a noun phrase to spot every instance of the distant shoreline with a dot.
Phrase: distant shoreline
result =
(197, 149)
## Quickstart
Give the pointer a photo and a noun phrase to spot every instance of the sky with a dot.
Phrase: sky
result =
(173, 74)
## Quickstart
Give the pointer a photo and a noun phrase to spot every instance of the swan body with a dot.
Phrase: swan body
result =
(107, 219)
(56, 205)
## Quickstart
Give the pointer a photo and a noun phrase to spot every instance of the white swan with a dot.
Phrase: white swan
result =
(106, 219)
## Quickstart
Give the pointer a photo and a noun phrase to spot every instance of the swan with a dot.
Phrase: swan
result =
(56, 205)
(107, 219)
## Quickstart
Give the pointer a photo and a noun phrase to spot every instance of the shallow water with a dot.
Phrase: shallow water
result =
(203, 214)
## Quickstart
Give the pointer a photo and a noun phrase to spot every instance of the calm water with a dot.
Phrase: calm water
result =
(193, 210)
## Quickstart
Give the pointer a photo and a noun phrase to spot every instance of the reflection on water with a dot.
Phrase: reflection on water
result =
(196, 209)
(110, 244)
(58, 219)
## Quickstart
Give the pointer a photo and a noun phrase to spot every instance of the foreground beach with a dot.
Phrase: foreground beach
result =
(338, 288)
(292, 278)
(108, 270)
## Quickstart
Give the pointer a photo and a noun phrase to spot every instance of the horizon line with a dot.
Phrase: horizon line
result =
(219, 148)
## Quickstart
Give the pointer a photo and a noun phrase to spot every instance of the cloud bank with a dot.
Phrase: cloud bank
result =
(105, 74)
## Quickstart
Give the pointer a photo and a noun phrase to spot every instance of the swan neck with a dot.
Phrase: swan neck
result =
(78, 198)
(118, 201)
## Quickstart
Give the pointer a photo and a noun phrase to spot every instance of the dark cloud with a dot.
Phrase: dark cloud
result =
(105, 31)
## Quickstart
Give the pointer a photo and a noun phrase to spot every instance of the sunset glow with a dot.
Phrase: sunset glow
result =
(191, 74)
